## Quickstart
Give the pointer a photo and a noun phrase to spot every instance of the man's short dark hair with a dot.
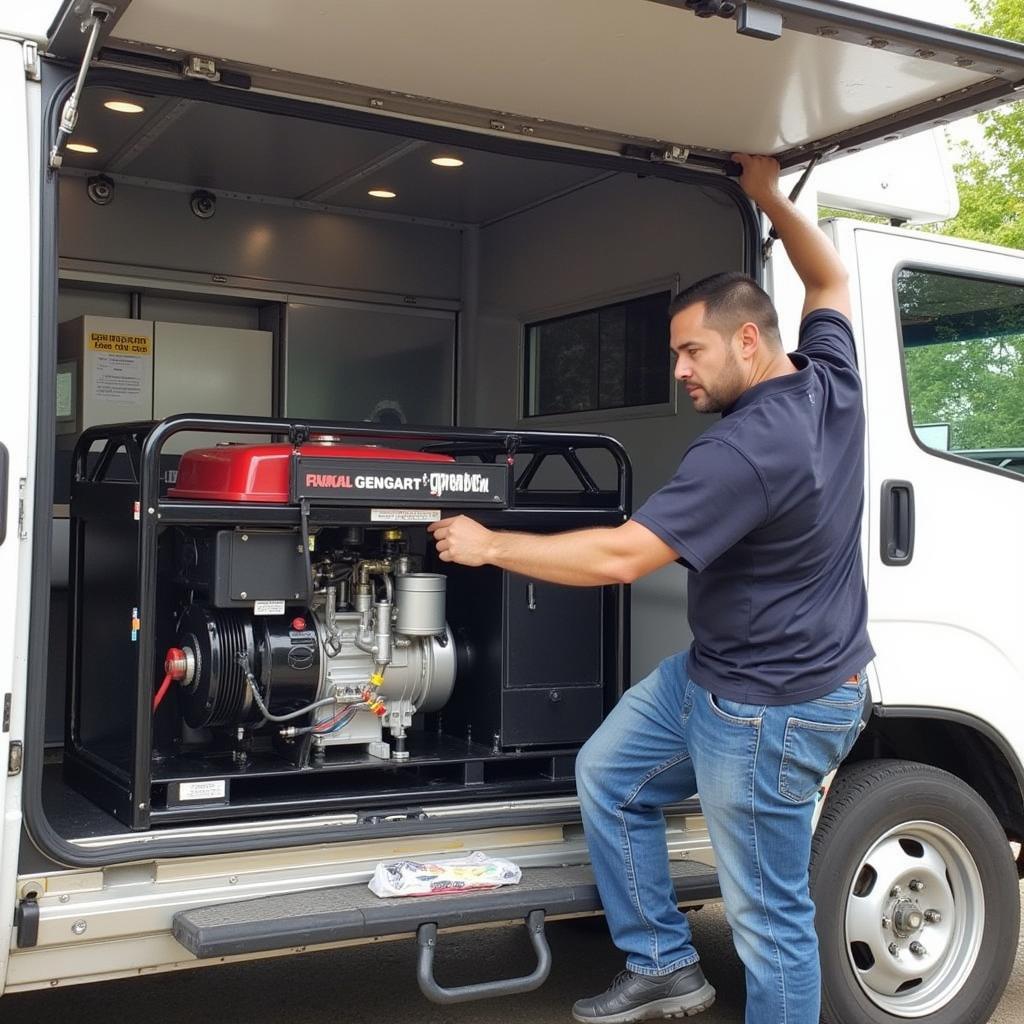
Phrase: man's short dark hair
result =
(730, 300)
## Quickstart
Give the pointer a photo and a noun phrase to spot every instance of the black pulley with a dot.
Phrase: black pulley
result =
(281, 652)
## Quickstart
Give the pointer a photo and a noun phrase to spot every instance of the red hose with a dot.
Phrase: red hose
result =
(164, 687)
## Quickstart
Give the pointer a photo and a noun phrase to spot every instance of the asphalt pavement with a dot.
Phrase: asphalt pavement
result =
(376, 984)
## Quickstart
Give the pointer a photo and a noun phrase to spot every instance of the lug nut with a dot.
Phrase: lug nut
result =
(917, 949)
(895, 891)
(916, 886)
(886, 922)
(894, 949)
(933, 917)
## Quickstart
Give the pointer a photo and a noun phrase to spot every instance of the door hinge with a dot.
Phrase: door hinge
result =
(26, 922)
(201, 67)
(30, 52)
(15, 758)
(22, 534)
(7, 713)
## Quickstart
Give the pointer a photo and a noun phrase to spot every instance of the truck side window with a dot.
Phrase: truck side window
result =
(963, 353)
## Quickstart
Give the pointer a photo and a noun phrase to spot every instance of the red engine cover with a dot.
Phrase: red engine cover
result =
(260, 472)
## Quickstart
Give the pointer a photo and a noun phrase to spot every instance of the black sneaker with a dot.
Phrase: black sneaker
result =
(635, 997)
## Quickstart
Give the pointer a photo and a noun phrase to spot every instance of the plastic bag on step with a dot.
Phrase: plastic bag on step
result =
(438, 877)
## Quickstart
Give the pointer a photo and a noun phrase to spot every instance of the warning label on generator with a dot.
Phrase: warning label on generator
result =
(409, 483)
(404, 515)
(208, 789)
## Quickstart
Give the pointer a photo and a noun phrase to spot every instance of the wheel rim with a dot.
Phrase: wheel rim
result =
(915, 916)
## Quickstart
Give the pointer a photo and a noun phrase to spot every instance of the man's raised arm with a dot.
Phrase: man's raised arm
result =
(813, 256)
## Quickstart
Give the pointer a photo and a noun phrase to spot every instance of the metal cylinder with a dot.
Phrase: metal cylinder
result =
(420, 600)
(382, 631)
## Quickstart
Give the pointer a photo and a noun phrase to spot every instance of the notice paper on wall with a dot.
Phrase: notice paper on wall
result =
(120, 368)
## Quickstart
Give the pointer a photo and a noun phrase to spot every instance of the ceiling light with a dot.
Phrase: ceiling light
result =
(123, 107)
(81, 147)
(447, 161)
(382, 193)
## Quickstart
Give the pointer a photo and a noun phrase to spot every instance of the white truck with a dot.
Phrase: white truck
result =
(284, 282)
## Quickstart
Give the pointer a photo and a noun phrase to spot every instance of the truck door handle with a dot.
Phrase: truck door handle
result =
(897, 522)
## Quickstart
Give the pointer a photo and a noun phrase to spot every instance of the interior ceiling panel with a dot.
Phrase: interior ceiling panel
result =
(247, 151)
(486, 187)
(205, 145)
(109, 132)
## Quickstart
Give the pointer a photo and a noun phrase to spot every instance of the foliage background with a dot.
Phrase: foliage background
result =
(971, 375)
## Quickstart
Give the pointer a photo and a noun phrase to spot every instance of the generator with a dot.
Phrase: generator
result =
(267, 629)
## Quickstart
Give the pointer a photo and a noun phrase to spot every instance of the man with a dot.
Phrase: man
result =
(765, 511)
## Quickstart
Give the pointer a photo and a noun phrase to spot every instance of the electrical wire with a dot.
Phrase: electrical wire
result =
(243, 660)
(161, 692)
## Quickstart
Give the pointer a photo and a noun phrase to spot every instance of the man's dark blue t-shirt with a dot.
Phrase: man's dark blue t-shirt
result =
(765, 509)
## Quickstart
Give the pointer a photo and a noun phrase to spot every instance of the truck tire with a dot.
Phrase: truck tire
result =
(917, 896)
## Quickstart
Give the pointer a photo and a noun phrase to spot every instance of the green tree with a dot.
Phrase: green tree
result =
(963, 348)
(991, 182)
(964, 340)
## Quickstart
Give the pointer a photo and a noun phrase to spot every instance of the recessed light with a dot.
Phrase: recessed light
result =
(81, 147)
(124, 107)
(382, 193)
(447, 161)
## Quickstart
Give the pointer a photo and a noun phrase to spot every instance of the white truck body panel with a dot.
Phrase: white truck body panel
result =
(949, 620)
(935, 638)
(442, 47)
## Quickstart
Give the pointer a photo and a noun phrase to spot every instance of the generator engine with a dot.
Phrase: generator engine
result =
(266, 628)
(368, 652)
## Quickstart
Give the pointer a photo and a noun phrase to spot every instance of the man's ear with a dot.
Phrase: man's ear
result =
(748, 339)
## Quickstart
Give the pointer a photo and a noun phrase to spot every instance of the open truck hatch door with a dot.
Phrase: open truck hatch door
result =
(645, 77)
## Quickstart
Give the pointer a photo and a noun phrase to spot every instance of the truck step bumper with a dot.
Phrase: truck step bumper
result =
(340, 913)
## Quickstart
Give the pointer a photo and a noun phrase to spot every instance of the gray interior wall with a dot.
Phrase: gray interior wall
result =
(619, 236)
(276, 244)
(74, 301)
(175, 310)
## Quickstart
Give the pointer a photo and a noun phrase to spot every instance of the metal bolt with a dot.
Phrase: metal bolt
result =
(916, 886)
(933, 917)
(233, 880)
(64, 897)
(895, 891)
(894, 949)
(245, 537)
(243, 595)
(917, 949)
(886, 922)
(79, 927)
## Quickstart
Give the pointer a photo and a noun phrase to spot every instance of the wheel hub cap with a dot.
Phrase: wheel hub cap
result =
(915, 917)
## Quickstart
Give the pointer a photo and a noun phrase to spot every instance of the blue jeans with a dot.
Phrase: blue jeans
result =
(758, 770)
